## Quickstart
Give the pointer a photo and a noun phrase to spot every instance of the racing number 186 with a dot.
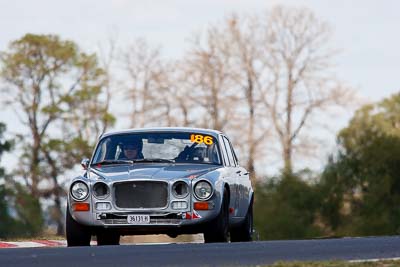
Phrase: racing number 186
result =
(198, 138)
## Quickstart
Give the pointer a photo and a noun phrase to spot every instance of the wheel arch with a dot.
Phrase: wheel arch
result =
(224, 187)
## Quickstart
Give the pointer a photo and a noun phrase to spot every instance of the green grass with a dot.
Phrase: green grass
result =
(336, 264)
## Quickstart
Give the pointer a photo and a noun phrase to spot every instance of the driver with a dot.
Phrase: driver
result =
(132, 149)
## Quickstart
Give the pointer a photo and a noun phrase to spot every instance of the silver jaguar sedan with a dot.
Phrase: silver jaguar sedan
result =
(160, 181)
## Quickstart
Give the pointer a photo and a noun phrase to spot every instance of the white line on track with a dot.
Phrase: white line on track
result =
(375, 260)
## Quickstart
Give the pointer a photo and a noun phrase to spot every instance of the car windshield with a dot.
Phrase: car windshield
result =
(157, 147)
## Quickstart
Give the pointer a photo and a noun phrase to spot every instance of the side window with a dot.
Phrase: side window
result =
(101, 152)
(224, 152)
(233, 153)
(212, 154)
(229, 152)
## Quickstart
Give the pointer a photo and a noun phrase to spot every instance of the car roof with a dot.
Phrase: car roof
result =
(212, 132)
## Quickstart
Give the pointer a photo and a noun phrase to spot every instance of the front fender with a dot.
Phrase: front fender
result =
(83, 217)
(219, 186)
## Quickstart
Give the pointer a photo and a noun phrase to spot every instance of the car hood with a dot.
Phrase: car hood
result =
(151, 171)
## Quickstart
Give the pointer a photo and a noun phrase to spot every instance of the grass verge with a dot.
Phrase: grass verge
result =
(383, 263)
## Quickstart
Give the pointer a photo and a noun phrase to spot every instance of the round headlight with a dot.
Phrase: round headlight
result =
(79, 190)
(203, 190)
(180, 189)
(101, 190)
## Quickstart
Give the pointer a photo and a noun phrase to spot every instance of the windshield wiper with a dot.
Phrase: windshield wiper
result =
(113, 161)
(154, 160)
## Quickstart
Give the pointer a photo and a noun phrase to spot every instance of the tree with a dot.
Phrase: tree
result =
(5, 145)
(5, 218)
(300, 83)
(209, 80)
(264, 78)
(360, 184)
(176, 103)
(20, 214)
(249, 74)
(56, 91)
(221, 80)
(286, 207)
(147, 84)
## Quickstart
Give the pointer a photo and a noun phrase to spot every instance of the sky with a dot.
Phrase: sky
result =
(364, 31)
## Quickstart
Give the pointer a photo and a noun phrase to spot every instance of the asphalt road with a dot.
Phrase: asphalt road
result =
(230, 254)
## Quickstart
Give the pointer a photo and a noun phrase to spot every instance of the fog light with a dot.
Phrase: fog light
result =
(103, 206)
(179, 205)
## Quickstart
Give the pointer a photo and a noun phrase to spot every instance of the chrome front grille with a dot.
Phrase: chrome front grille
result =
(141, 194)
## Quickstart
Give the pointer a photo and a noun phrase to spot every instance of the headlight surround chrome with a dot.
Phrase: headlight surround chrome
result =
(203, 190)
(180, 189)
(101, 190)
(79, 190)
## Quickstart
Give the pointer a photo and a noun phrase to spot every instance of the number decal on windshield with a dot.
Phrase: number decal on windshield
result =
(198, 138)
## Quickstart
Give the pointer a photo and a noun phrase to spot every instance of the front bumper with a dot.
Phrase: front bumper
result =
(188, 221)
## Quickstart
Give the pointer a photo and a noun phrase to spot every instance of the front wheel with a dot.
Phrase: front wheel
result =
(76, 233)
(218, 230)
(244, 233)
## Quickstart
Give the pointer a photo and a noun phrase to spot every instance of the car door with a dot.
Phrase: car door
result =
(243, 184)
(233, 177)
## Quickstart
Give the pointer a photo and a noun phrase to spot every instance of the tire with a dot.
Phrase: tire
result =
(76, 233)
(172, 235)
(107, 238)
(244, 233)
(218, 229)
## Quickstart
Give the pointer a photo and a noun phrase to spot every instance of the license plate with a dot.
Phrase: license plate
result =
(138, 219)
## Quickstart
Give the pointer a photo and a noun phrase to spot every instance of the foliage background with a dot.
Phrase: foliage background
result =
(227, 66)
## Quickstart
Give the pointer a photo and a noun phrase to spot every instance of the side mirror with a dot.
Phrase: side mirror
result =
(85, 163)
